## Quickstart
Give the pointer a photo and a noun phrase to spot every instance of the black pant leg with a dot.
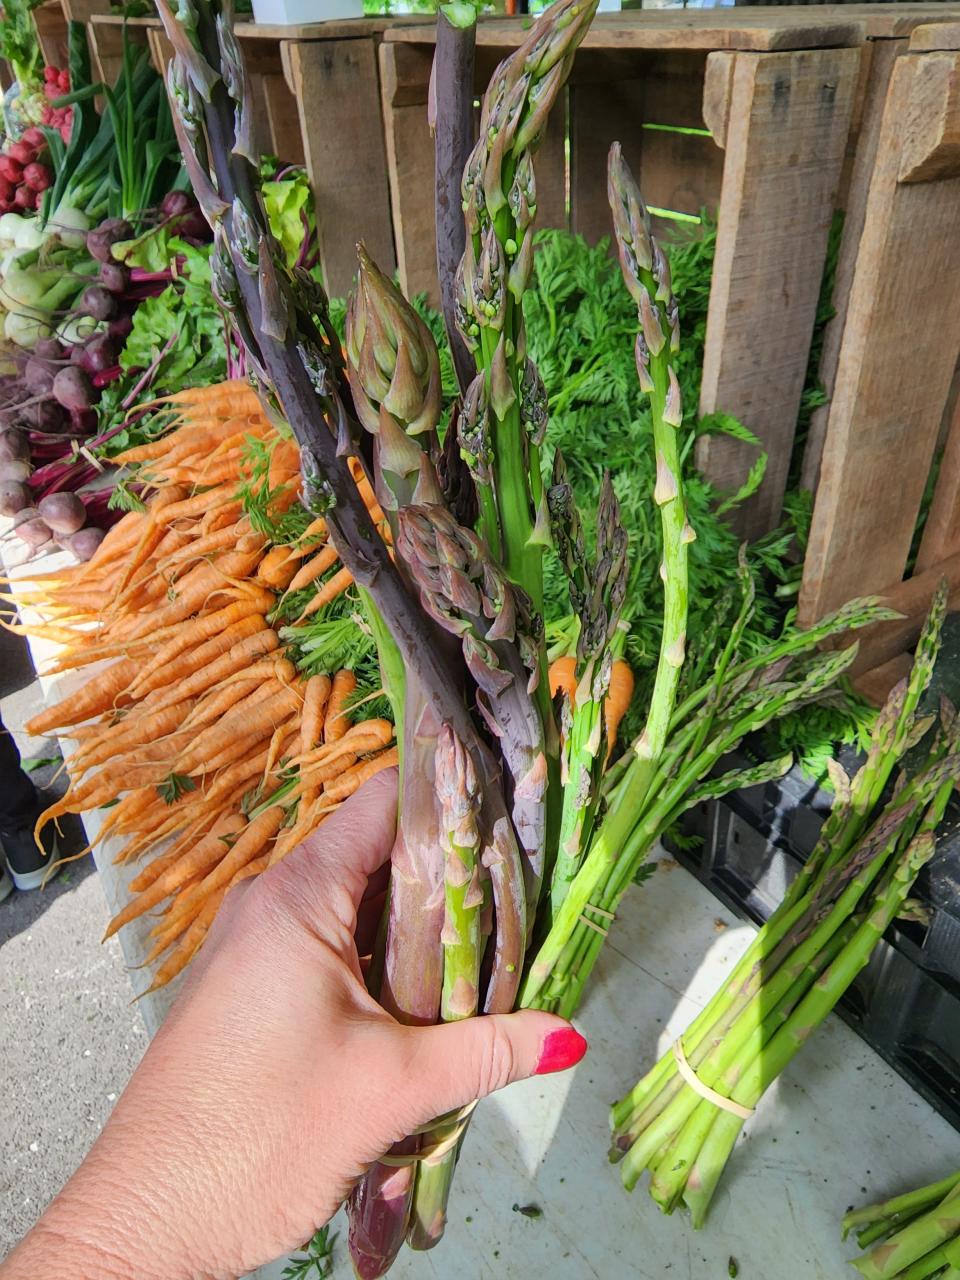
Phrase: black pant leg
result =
(18, 796)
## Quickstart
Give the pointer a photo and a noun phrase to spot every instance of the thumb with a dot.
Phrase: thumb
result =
(459, 1062)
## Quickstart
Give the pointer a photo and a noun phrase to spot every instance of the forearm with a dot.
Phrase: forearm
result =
(116, 1219)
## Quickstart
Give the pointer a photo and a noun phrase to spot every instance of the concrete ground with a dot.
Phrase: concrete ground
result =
(69, 1037)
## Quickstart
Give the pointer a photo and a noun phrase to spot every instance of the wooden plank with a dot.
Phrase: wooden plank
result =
(789, 117)
(680, 171)
(410, 157)
(601, 114)
(941, 533)
(106, 49)
(882, 57)
(550, 168)
(875, 685)
(51, 28)
(940, 35)
(885, 640)
(761, 31)
(717, 93)
(283, 117)
(6, 76)
(336, 86)
(894, 369)
(931, 148)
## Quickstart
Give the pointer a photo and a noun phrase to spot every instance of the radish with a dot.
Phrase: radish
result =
(6, 191)
(23, 198)
(30, 526)
(83, 544)
(36, 138)
(63, 512)
(72, 389)
(22, 153)
(37, 176)
(10, 170)
(14, 497)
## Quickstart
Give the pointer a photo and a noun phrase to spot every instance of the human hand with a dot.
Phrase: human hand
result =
(275, 1080)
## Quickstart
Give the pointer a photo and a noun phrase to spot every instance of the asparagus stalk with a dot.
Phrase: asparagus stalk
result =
(769, 1007)
(451, 96)
(596, 595)
(891, 1214)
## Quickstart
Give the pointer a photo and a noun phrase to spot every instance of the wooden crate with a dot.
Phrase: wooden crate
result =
(51, 23)
(748, 115)
(889, 365)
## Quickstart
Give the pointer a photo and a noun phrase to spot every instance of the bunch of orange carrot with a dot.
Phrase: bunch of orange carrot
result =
(200, 730)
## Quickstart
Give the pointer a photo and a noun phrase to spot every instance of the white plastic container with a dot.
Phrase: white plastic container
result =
(288, 13)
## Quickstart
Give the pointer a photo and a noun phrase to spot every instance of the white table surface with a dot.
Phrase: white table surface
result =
(838, 1128)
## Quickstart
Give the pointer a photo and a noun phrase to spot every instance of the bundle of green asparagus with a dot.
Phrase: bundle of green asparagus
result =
(515, 840)
(915, 1236)
(682, 1120)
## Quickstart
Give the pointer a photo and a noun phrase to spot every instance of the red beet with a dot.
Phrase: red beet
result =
(175, 204)
(72, 389)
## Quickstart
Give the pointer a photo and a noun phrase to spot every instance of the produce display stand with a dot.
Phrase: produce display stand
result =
(753, 115)
(839, 1126)
(871, 450)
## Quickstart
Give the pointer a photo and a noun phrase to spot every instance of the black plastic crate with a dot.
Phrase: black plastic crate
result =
(906, 1003)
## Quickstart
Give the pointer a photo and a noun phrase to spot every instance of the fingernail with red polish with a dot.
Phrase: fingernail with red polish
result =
(561, 1049)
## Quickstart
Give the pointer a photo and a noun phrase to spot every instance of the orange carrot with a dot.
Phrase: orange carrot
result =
(365, 735)
(196, 589)
(206, 637)
(315, 699)
(317, 565)
(189, 945)
(332, 588)
(130, 732)
(336, 723)
(275, 569)
(236, 661)
(204, 855)
(563, 676)
(617, 701)
(238, 725)
(104, 692)
(349, 782)
(247, 846)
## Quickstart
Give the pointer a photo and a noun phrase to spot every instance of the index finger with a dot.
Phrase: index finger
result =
(330, 869)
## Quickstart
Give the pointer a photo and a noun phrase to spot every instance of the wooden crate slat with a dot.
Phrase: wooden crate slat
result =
(336, 86)
(51, 26)
(405, 73)
(896, 359)
(598, 114)
(772, 29)
(885, 640)
(787, 128)
(680, 171)
(941, 533)
(883, 55)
